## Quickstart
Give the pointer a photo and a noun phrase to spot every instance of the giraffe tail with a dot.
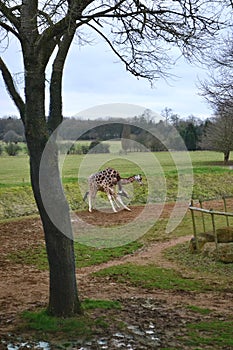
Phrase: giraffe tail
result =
(85, 196)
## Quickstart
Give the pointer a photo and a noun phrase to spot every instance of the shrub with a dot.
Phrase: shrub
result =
(85, 149)
(12, 136)
(12, 149)
(78, 149)
(98, 147)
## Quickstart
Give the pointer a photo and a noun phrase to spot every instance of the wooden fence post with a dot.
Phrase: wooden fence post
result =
(202, 214)
(212, 213)
(214, 230)
(225, 209)
(194, 226)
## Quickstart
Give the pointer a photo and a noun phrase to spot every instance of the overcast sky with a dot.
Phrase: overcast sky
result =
(94, 76)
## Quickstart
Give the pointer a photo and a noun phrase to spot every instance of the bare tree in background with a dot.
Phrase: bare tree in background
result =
(140, 33)
(218, 91)
(219, 133)
(218, 87)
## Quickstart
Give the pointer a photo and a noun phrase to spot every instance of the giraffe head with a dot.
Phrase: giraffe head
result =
(138, 178)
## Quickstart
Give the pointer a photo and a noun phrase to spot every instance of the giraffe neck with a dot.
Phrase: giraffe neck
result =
(127, 180)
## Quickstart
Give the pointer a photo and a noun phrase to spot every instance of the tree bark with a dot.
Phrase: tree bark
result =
(63, 296)
(63, 300)
(226, 157)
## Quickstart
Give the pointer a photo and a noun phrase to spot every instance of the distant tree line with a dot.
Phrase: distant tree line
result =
(11, 129)
(137, 133)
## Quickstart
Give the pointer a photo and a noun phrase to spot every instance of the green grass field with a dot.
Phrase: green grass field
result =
(160, 172)
(14, 171)
(211, 179)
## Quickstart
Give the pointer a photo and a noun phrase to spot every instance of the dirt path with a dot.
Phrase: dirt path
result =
(94, 288)
(150, 255)
(24, 287)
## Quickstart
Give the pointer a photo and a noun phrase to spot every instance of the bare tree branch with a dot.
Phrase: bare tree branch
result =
(55, 116)
(218, 87)
(11, 88)
(8, 28)
(8, 13)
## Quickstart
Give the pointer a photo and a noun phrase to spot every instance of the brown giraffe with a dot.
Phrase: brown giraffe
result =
(105, 181)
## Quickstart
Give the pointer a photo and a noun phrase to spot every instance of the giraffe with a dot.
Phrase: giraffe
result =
(105, 181)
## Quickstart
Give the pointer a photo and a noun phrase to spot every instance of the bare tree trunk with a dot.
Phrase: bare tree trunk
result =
(226, 157)
(63, 300)
(63, 296)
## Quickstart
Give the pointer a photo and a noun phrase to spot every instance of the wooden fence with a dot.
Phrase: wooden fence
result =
(212, 213)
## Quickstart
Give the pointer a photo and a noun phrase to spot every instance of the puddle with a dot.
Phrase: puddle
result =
(130, 340)
(17, 345)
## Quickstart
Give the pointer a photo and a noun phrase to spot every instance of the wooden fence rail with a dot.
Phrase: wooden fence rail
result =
(208, 212)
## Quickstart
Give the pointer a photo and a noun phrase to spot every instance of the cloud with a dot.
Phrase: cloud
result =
(94, 76)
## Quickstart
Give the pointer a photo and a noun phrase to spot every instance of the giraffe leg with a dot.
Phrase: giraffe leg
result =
(111, 202)
(89, 202)
(94, 199)
(91, 199)
(115, 201)
(113, 195)
(121, 192)
(121, 202)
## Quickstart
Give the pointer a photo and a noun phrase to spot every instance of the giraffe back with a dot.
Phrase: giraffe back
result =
(104, 180)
